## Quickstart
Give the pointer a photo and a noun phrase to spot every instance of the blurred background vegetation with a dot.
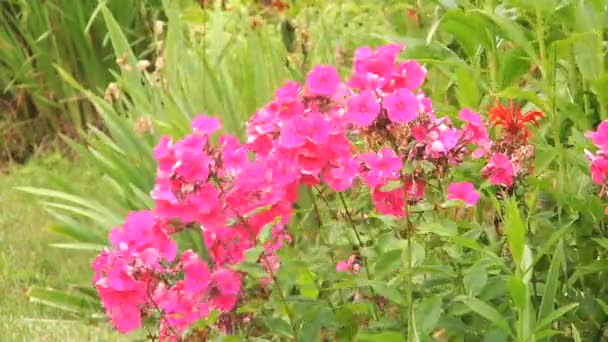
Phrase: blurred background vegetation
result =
(87, 88)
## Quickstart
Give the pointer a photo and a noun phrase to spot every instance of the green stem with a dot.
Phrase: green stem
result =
(349, 218)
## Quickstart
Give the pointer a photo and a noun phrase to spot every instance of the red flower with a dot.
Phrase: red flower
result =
(512, 119)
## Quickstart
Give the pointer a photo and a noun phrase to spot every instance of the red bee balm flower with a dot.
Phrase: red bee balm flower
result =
(512, 119)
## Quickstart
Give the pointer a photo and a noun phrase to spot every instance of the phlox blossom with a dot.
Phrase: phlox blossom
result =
(389, 202)
(380, 167)
(401, 106)
(499, 170)
(322, 80)
(463, 191)
(363, 108)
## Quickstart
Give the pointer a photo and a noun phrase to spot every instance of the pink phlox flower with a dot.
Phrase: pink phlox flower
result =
(140, 231)
(419, 133)
(363, 108)
(194, 163)
(408, 75)
(600, 136)
(342, 176)
(164, 154)
(205, 125)
(446, 140)
(599, 167)
(401, 106)
(463, 191)
(296, 132)
(499, 170)
(349, 265)
(322, 80)
(224, 288)
(380, 167)
(196, 273)
(389, 202)
(475, 132)
(288, 92)
(121, 294)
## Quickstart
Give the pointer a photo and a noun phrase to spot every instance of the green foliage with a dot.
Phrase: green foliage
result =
(36, 36)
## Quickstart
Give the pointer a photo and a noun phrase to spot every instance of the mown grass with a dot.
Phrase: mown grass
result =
(27, 260)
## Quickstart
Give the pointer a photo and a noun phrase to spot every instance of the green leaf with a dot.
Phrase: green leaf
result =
(467, 90)
(552, 282)
(515, 231)
(541, 335)
(603, 242)
(575, 334)
(519, 292)
(82, 246)
(547, 320)
(279, 327)
(387, 262)
(429, 311)
(512, 31)
(469, 29)
(444, 228)
(513, 64)
(62, 300)
(475, 279)
(603, 305)
(387, 336)
(486, 311)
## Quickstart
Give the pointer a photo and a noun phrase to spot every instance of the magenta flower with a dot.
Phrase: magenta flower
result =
(140, 232)
(389, 202)
(499, 170)
(225, 285)
(323, 80)
(363, 108)
(196, 273)
(289, 92)
(193, 164)
(314, 128)
(341, 178)
(463, 191)
(381, 167)
(401, 106)
(600, 137)
(409, 75)
(205, 125)
(599, 167)
(475, 132)
(165, 154)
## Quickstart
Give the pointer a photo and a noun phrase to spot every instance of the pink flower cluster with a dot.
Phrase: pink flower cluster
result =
(231, 191)
(599, 159)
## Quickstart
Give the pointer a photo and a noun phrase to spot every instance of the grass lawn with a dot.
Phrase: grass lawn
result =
(27, 260)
